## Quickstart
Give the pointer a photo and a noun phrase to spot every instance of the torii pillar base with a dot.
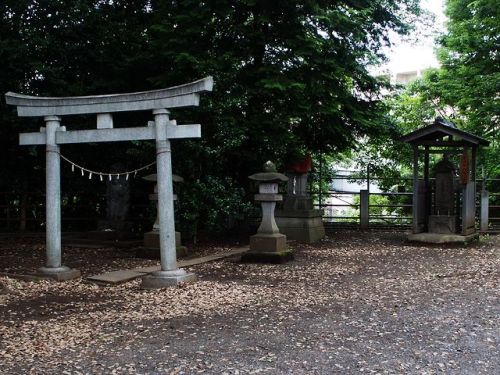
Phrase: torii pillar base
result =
(59, 273)
(165, 279)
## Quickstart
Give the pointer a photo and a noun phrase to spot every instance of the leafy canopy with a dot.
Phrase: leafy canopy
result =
(290, 75)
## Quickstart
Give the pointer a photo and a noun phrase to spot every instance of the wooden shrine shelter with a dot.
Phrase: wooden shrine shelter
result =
(444, 207)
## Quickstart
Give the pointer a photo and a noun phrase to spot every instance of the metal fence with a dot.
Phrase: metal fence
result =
(387, 210)
(25, 211)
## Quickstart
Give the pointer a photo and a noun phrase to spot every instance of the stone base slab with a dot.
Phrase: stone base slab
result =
(443, 224)
(267, 243)
(265, 257)
(59, 273)
(438, 238)
(165, 279)
(305, 228)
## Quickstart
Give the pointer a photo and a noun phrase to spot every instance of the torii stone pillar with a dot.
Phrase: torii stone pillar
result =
(169, 273)
(53, 267)
(162, 129)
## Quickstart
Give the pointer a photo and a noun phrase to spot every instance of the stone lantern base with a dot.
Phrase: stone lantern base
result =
(268, 248)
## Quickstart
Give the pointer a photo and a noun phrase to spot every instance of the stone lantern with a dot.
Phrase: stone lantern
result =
(268, 244)
(152, 238)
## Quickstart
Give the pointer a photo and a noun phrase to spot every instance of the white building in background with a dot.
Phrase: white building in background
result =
(343, 191)
(403, 78)
(408, 58)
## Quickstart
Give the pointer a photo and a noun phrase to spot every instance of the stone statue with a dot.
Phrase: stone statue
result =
(118, 197)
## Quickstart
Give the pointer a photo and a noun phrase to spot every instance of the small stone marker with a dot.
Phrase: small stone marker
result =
(268, 245)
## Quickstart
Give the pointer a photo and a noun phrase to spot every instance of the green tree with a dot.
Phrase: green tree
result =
(465, 88)
(289, 75)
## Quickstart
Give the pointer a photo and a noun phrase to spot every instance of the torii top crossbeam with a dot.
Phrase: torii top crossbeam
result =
(162, 129)
(172, 97)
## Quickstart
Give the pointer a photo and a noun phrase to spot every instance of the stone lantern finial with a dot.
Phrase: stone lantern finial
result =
(269, 166)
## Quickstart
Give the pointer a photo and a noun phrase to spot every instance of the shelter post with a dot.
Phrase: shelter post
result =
(416, 228)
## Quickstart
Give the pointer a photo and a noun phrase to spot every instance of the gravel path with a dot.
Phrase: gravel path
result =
(355, 303)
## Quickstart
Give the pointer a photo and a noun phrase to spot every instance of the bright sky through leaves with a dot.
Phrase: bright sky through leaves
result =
(416, 55)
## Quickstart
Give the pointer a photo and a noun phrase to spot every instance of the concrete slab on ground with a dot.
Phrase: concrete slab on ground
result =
(439, 238)
(116, 277)
(122, 276)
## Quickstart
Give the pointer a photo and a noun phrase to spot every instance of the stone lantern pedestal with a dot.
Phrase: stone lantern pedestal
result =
(151, 249)
(268, 245)
(298, 219)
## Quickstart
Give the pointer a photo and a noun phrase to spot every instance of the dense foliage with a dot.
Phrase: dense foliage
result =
(464, 89)
(290, 76)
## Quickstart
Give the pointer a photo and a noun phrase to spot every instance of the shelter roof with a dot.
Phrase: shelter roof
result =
(438, 130)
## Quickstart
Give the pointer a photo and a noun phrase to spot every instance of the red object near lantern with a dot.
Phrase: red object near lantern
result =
(303, 166)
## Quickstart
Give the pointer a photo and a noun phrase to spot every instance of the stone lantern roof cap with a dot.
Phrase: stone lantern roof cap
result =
(269, 175)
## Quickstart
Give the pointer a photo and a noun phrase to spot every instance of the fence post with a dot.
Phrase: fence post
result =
(23, 208)
(364, 215)
(484, 210)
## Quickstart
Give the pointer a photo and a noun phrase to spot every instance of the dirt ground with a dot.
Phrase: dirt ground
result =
(354, 303)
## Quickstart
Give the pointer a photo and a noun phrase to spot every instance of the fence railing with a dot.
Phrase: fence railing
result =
(25, 211)
(370, 209)
(364, 209)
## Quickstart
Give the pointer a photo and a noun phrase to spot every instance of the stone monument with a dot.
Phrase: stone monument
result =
(115, 225)
(118, 199)
(268, 245)
(152, 238)
(443, 220)
(298, 220)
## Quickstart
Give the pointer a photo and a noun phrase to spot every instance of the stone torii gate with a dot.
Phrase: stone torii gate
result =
(162, 129)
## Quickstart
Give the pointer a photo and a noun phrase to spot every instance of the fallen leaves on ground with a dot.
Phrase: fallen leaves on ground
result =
(355, 302)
